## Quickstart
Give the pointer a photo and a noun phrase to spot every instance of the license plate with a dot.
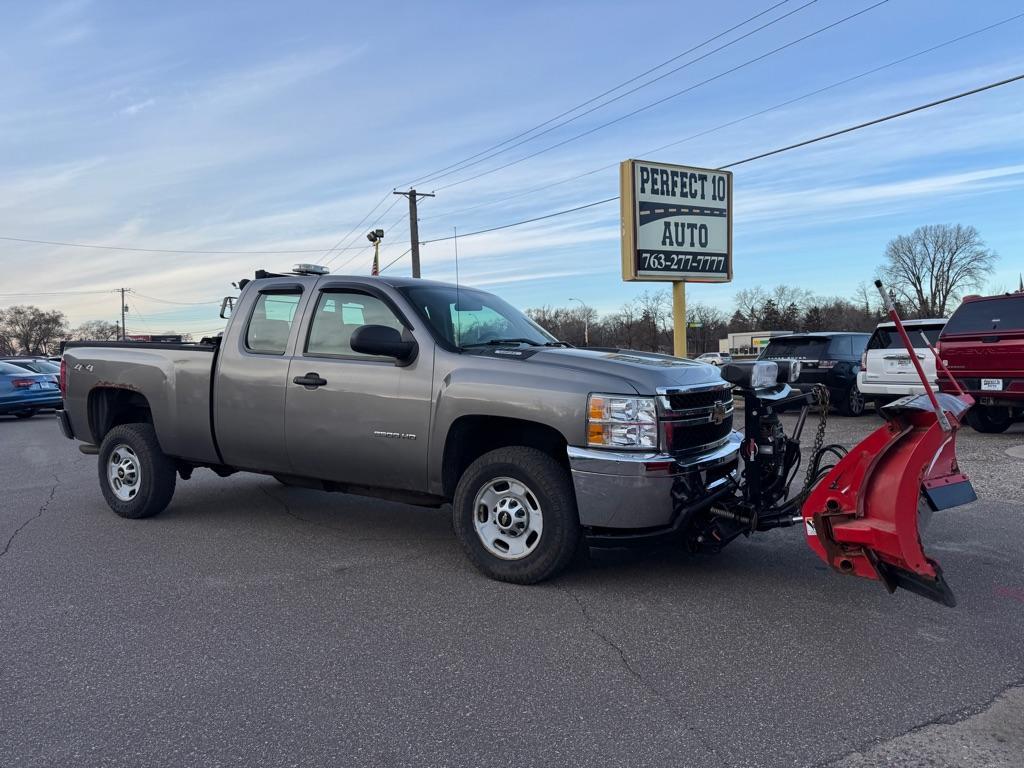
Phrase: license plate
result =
(903, 363)
(992, 385)
(47, 385)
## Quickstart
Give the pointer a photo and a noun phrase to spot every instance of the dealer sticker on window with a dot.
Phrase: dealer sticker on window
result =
(992, 385)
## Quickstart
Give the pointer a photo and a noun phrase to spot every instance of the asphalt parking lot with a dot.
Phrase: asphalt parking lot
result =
(253, 624)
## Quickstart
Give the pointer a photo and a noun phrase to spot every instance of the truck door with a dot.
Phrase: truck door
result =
(352, 418)
(252, 374)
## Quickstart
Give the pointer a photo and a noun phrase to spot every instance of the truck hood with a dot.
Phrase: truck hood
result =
(646, 371)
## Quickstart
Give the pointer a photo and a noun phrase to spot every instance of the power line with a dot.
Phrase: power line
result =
(168, 301)
(524, 221)
(804, 143)
(489, 152)
(664, 99)
(730, 123)
(876, 121)
(354, 234)
(354, 229)
(147, 249)
(348, 261)
(57, 293)
(394, 260)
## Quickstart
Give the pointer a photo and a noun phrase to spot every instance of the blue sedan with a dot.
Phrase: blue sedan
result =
(23, 393)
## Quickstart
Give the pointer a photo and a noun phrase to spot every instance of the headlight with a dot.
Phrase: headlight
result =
(617, 421)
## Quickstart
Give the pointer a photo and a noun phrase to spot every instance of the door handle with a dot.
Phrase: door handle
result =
(311, 380)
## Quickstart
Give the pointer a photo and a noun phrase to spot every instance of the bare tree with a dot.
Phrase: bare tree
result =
(750, 303)
(30, 330)
(784, 295)
(933, 266)
(96, 330)
(710, 327)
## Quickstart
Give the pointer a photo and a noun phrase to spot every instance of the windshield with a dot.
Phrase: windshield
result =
(465, 317)
(804, 347)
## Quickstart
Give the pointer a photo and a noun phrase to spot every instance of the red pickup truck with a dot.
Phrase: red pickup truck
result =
(982, 345)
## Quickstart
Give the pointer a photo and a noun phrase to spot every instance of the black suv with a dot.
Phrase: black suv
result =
(828, 357)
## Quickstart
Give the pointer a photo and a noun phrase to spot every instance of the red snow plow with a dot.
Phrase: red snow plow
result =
(862, 514)
(863, 517)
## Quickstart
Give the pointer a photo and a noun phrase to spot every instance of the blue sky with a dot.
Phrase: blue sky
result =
(278, 126)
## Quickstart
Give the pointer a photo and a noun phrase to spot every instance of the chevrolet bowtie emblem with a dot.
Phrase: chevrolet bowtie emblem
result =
(718, 415)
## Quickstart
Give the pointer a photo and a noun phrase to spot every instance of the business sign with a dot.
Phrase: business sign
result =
(676, 223)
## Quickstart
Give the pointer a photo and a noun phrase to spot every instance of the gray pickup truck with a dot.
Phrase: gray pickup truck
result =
(420, 392)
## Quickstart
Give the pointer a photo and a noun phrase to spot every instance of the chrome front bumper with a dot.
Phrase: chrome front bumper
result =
(628, 490)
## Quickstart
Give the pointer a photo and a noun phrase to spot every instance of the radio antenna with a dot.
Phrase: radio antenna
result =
(458, 297)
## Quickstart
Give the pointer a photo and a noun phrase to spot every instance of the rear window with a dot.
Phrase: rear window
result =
(7, 368)
(808, 348)
(1005, 313)
(888, 338)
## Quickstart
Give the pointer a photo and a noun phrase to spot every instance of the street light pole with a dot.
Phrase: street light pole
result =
(586, 320)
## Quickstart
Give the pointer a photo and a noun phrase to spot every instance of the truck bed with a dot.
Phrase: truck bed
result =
(175, 380)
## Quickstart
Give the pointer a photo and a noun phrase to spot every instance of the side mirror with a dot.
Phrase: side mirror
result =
(383, 341)
(227, 306)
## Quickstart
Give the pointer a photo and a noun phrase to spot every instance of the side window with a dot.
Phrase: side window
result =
(842, 346)
(271, 322)
(338, 315)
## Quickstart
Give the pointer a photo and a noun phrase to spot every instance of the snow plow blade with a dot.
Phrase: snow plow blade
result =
(863, 518)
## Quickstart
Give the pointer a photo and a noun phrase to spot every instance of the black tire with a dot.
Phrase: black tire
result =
(989, 420)
(852, 402)
(25, 414)
(156, 477)
(551, 485)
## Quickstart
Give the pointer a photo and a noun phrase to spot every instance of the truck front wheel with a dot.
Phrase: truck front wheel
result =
(136, 477)
(515, 514)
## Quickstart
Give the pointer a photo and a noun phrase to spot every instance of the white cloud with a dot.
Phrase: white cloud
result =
(133, 109)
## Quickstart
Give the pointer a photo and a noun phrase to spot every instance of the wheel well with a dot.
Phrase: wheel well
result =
(470, 437)
(110, 407)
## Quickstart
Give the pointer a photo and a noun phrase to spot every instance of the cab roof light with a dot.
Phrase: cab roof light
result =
(310, 269)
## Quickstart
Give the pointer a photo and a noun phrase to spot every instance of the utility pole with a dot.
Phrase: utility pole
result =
(414, 227)
(124, 308)
(586, 320)
(679, 318)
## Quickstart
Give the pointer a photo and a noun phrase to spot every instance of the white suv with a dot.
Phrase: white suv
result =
(886, 370)
(715, 358)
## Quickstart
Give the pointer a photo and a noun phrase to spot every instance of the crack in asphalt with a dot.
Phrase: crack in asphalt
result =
(43, 507)
(591, 624)
(951, 717)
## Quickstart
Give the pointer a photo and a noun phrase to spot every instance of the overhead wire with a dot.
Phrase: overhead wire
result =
(143, 249)
(779, 150)
(730, 123)
(512, 142)
(669, 97)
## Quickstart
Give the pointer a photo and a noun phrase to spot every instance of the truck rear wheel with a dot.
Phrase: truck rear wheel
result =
(989, 420)
(515, 514)
(136, 478)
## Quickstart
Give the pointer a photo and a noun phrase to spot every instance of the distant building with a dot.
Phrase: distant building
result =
(747, 343)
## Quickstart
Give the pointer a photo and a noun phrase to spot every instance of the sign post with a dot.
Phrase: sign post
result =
(677, 227)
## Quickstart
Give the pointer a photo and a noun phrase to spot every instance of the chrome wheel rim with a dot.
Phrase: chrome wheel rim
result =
(124, 472)
(508, 518)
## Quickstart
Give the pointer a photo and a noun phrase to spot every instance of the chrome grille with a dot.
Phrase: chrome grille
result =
(696, 418)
